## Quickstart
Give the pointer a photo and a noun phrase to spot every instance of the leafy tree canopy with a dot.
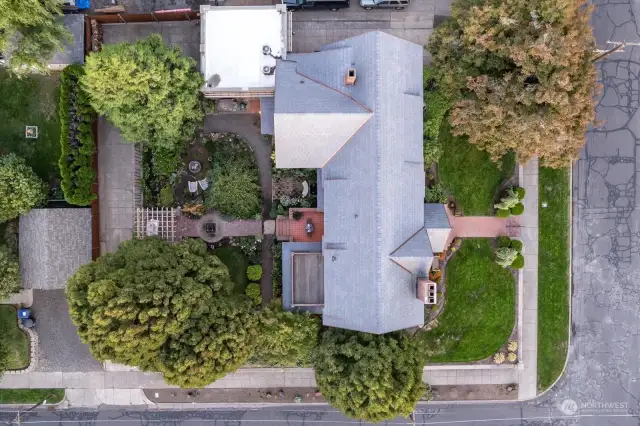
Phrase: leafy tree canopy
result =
(30, 33)
(162, 307)
(367, 376)
(286, 339)
(148, 89)
(20, 188)
(523, 75)
(9, 273)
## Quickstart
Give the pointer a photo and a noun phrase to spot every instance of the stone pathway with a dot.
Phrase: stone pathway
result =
(481, 226)
(247, 126)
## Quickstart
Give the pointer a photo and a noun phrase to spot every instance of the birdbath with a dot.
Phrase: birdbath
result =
(195, 166)
(31, 132)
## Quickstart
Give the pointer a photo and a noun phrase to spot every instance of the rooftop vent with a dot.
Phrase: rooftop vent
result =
(266, 50)
(350, 78)
(267, 70)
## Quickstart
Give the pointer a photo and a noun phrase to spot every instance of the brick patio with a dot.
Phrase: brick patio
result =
(289, 229)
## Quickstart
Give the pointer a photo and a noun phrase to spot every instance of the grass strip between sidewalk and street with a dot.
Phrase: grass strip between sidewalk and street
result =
(553, 274)
(31, 396)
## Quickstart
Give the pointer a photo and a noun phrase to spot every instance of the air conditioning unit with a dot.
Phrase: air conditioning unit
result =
(426, 291)
(267, 70)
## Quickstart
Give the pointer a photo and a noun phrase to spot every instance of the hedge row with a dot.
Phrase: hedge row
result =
(76, 139)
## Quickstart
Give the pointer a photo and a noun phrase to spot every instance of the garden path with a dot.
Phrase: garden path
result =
(247, 126)
(482, 226)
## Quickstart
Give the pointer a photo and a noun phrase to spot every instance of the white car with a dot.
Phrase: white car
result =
(396, 4)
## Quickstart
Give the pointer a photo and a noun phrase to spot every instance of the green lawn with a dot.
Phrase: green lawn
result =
(553, 275)
(469, 174)
(32, 100)
(479, 312)
(13, 338)
(237, 264)
(30, 396)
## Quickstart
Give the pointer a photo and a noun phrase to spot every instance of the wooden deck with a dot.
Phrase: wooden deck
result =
(307, 279)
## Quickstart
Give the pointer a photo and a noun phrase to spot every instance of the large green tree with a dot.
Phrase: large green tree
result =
(367, 376)
(20, 188)
(162, 307)
(147, 89)
(522, 73)
(29, 33)
(286, 339)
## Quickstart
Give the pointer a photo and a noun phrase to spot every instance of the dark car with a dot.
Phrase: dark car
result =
(316, 4)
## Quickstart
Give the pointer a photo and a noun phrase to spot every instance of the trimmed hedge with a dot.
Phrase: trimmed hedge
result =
(518, 263)
(254, 272)
(504, 241)
(503, 213)
(254, 293)
(76, 139)
(517, 210)
(517, 245)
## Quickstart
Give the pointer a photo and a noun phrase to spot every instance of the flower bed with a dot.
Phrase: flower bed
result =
(76, 139)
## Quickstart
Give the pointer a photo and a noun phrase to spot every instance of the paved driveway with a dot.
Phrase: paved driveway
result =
(312, 28)
(60, 348)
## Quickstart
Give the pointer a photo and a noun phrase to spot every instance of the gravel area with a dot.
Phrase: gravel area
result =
(60, 348)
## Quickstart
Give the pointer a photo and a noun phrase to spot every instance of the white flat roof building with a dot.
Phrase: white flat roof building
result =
(239, 47)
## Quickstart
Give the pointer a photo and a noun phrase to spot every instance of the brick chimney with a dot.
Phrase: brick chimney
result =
(350, 78)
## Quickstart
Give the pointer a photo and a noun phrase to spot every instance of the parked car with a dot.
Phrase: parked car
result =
(384, 4)
(316, 4)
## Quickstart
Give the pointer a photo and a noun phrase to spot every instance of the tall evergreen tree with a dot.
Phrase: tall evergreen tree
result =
(368, 376)
(30, 34)
(153, 305)
(522, 73)
(147, 89)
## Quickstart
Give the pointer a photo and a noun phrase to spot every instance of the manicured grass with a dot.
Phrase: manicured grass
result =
(13, 338)
(469, 174)
(32, 100)
(553, 274)
(479, 312)
(237, 264)
(30, 396)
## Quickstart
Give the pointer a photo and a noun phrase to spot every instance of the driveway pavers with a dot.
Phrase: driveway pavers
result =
(59, 347)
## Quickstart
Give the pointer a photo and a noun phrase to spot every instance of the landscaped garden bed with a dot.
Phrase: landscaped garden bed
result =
(470, 175)
(76, 141)
(553, 274)
(292, 188)
(31, 396)
(14, 339)
(32, 100)
(479, 312)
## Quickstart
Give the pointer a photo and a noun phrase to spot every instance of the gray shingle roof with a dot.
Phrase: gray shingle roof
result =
(374, 184)
(437, 224)
(54, 243)
(73, 52)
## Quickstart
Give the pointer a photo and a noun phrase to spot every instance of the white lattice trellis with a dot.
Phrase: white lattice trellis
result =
(156, 221)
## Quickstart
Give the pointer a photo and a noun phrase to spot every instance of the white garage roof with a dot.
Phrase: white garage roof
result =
(232, 40)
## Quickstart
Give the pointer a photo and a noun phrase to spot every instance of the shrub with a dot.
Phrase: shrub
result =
(517, 210)
(505, 256)
(431, 151)
(512, 346)
(11, 236)
(435, 194)
(9, 273)
(254, 293)
(504, 241)
(508, 201)
(503, 213)
(20, 188)
(149, 90)
(297, 215)
(512, 357)
(499, 358)
(436, 105)
(518, 262)
(516, 245)
(76, 139)
(165, 198)
(254, 272)
(520, 191)
(286, 339)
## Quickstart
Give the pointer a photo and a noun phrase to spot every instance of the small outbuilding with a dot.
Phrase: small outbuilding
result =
(53, 244)
(239, 47)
